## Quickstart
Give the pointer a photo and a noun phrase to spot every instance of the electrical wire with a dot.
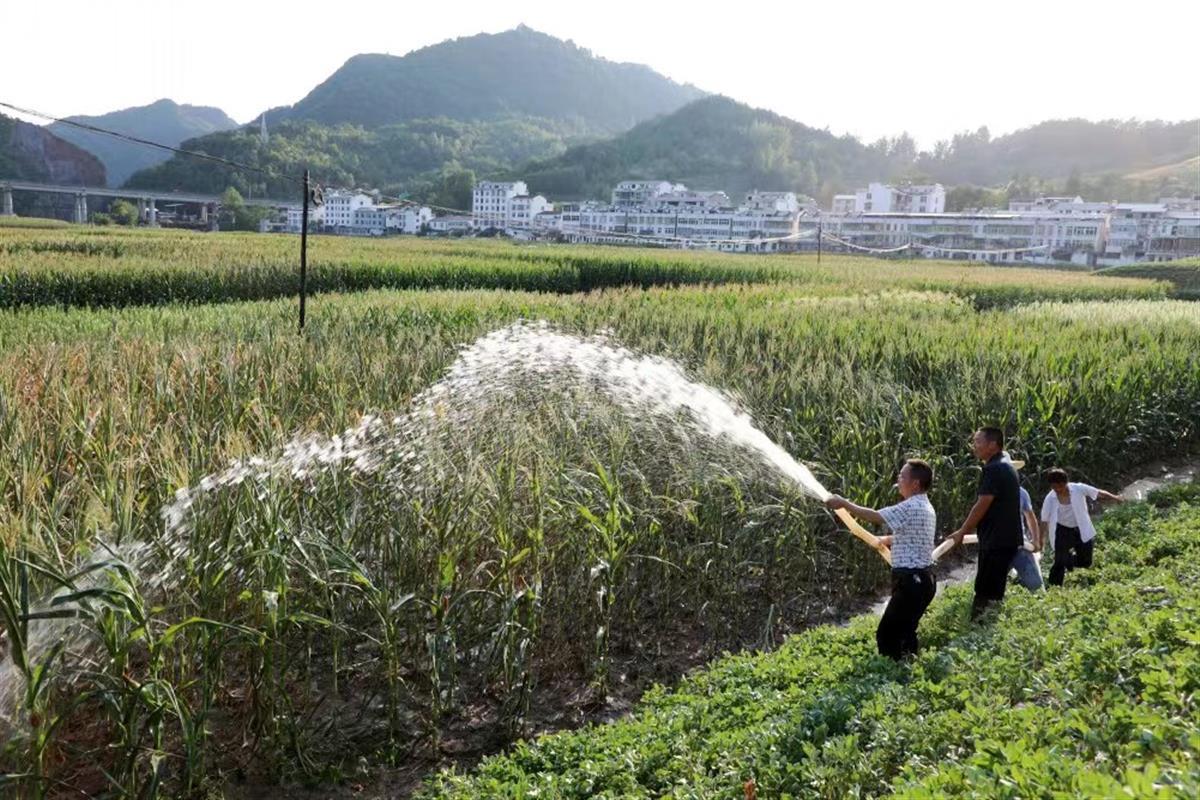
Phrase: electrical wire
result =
(149, 143)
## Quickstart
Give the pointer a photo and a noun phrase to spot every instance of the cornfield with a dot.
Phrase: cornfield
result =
(117, 268)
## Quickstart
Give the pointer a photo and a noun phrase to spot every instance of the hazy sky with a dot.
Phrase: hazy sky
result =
(867, 68)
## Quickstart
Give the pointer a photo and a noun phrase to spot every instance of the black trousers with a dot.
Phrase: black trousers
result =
(912, 592)
(1070, 552)
(991, 577)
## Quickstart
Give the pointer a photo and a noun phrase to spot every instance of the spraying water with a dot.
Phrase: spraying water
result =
(515, 359)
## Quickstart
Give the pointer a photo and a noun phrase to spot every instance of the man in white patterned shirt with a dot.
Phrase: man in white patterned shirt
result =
(912, 524)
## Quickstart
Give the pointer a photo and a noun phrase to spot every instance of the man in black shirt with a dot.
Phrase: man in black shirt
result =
(997, 517)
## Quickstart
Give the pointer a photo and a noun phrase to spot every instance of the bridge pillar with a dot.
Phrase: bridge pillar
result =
(152, 214)
(6, 206)
(141, 211)
(204, 213)
(80, 208)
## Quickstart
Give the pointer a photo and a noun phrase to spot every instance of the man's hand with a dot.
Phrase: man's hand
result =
(957, 536)
(835, 502)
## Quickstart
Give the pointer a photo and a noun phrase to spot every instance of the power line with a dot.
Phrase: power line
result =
(148, 143)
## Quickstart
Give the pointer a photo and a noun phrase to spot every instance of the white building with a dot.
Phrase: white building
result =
(786, 202)
(844, 203)
(684, 226)
(412, 219)
(523, 209)
(295, 218)
(910, 199)
(491, 202)
(1175, 235)
(370, 221)
(1181, 203)
(1129, 231)
(340, 207)
(548, 221)
(451, 225)
(995, 237)
(682, 197)
(635, 194)
(1074, 206)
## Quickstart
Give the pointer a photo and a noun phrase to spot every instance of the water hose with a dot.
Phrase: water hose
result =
(970, 538)
(865, 535)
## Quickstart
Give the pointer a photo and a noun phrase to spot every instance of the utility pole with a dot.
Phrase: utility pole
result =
(304, 251)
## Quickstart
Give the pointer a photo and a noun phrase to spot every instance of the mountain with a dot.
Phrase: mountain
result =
(396, 159)
(520, 72)
(163, 121)
(32, 153)
(714, 143)
(1058, 149)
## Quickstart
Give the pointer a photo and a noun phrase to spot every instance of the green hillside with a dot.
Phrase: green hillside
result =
(164, 121)
(517, 72)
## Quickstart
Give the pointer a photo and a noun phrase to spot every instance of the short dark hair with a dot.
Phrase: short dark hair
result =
(994, 435)
(921, 471)
(1056, 475)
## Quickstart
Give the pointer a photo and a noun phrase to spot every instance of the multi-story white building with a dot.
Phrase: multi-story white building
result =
(1074, 206)
(843, 204)
(1175, 235)
(295, 218)
(1181, 203)
(491, 202)
(523, 209)
(370, 221)
(722, 228)
(994, 237)
(683, 197)
(635, 194)
(786, 202)
(910, 199)
(1129, 229)
(411, 219)
(340, 207)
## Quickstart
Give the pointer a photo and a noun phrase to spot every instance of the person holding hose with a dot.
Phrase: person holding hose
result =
(996, 515)
(912, 524)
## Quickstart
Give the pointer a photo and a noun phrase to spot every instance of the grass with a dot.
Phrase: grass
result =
(32, 223)
(1184, 275)
(1088, 691)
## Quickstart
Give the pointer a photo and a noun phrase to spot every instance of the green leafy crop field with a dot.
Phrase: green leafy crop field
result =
(1087, 691)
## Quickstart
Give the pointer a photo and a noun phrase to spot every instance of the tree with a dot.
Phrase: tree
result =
(1074, 184)
(236, 215)
(455, 188)
(123, 212)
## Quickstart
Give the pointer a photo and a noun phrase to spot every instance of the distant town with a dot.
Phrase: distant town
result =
(881, 218)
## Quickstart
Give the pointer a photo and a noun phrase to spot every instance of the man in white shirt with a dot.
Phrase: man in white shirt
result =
(1066, 521)
(912, 524)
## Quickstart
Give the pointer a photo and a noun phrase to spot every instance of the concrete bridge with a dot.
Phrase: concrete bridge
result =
(146, 199)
